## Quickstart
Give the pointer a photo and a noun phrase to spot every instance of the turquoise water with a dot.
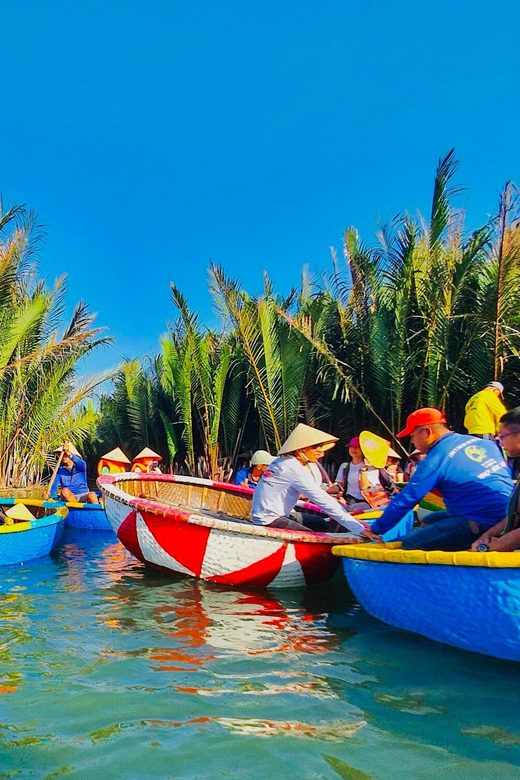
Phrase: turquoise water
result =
(109, 671)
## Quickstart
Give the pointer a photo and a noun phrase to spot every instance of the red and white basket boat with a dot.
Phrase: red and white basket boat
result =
(200, 528)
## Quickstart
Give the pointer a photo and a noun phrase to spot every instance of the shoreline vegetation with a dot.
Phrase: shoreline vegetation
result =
(425, 315)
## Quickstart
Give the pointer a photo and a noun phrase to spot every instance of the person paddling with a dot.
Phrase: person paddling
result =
(71, 478)
(289, 476)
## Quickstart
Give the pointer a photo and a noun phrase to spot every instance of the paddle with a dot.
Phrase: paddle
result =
(47, 493)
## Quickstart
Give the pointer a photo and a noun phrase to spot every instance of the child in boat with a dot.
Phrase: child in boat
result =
(356, 477)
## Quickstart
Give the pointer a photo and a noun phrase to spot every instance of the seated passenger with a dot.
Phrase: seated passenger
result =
(505, 536)
(249, 475)
(469, 473)
(410, 467)
(356, 477)
(290, 475)
(71, 478)
(393, 466)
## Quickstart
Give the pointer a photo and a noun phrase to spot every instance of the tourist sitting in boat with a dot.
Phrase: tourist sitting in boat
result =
(357, 477)
(291, 475)
(505, 536)
(393, 466)
(410, 467)
(469, 473)
(249, 475)
(71, 478)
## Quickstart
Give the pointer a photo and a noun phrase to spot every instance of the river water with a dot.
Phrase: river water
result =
(110, 671)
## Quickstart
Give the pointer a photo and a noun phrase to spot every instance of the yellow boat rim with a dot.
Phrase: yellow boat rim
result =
(393, 553)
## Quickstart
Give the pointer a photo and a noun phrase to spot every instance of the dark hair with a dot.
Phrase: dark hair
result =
(512, 417)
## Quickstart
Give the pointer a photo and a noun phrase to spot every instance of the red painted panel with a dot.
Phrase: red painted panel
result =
(127, 535)
(184, 541)
(317, 562)
(258, 575)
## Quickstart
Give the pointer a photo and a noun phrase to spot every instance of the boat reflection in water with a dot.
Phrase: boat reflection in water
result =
(109, 662)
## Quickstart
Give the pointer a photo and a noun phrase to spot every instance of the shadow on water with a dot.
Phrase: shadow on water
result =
(157, 669)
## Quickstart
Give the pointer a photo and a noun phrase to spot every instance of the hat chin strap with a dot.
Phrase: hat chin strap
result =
(300, 454)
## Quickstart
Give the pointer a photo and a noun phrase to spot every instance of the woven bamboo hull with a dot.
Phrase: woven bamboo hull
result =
(25, 541)
(199, 528)
(468, 606)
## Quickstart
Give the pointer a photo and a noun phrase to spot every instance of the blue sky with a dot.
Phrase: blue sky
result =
(153, 137)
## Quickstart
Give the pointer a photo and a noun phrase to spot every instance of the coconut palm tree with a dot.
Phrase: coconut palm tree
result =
(42, 400)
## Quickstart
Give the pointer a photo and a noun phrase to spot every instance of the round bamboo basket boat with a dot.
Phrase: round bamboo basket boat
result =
(201, 528)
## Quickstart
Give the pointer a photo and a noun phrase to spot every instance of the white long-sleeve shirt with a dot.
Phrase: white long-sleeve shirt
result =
(280, 487)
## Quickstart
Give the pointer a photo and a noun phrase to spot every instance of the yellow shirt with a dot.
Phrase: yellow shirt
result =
(483, 411)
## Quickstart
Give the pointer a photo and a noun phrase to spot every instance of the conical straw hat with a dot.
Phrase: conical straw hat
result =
(306, 436)
(393, 454)
(147, 453)
(73, 450)
(117, 455)
(375, 448)
(19, 512)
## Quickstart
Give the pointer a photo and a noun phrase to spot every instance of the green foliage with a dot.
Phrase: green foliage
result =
(424, 316)
(42, 401)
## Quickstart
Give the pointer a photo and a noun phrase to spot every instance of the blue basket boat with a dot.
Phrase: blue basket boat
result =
(91, 516)
(468, 599)
(23, 541)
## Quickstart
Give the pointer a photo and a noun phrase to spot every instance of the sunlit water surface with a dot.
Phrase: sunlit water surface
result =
(110, 671)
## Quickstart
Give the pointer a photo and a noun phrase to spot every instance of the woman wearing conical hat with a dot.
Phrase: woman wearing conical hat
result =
(289, 476)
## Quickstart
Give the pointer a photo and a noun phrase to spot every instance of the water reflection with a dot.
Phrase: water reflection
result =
(97, 652)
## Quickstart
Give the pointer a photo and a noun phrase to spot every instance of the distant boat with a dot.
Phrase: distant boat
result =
(22, 540)
(200, 528)
(88, 516)
(466, 599)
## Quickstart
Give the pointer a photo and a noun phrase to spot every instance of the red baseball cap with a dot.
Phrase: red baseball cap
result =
(426, 416)
(354, 442)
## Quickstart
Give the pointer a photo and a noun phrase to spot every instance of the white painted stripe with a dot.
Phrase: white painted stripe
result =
(116, 512)
(291, 573)
(153, 552)
(227, 553)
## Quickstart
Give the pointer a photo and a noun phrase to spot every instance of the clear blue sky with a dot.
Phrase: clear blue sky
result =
(153, 136)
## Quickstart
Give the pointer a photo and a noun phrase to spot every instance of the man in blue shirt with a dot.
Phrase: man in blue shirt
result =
(71, 479)
(250, 475)
(469, 473)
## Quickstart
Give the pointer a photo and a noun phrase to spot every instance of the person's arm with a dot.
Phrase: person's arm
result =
(80, 464)
(423, 479)
(507, 543)
(340, 475)
(490, 534)
(305, 483)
